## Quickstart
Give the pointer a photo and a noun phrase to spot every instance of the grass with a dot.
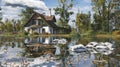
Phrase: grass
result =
(43, 35)
(107, 36)
(7, 34)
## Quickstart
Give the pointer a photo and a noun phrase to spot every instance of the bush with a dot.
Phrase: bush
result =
(75, 35)
(116, 32)
(102, 32)
(36, 33)
(89, 32)
(73, 31)
(26, 33)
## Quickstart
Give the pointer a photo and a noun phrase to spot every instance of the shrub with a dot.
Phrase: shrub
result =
(26, 33)
(73, 31)
(116, 32)
(102, 32)
(89, 32)
(36, 33)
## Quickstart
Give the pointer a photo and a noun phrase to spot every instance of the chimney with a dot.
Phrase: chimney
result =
(50, 11)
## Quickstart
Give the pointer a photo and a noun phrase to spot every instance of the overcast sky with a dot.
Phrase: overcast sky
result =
(12, 8)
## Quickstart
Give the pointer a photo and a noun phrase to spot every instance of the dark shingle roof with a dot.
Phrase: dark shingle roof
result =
(48, 19)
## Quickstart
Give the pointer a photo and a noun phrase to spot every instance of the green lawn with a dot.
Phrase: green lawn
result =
(7, 34)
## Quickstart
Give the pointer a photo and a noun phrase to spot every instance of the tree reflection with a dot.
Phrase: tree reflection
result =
(64, 54)
(67, 58)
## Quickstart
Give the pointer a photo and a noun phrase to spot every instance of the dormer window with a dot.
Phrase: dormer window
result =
(33, 22)
(37, 23)
(40, 21)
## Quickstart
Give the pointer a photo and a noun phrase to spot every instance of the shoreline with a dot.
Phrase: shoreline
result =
(43, 35)
(60, 35)
(107, 36)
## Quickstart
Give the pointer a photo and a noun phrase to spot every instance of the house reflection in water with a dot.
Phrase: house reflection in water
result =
(41, 46)
(40, 40)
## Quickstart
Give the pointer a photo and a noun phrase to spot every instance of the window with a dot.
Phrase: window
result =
(33, 22)
(40, 22)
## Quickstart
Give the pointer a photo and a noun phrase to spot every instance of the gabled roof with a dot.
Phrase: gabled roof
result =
(48, 19)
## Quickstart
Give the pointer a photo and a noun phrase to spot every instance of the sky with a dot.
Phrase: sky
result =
(12, 8)
(83, 5)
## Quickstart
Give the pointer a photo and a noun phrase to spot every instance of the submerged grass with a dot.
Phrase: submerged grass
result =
(31, 35)
(7, 34)
(107, 36)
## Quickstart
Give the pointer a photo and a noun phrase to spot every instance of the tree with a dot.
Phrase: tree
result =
(59, 23)
(116, 14)
(62, 11)
(19, 26)
(0, 20)
(102, 9)
(8, 26)
(26, 14)
(116, 19)
(83, 22)
(96, 25)
(0, 14)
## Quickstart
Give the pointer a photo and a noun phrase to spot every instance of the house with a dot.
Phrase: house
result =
(43, 24)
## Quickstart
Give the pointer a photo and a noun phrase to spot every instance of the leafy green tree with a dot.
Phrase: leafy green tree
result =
(116, 19)
(59, 23)
(19, 26)
(62, 11)
(14, 25)
(8, 26)
(83, 22)
(96, 25)
(0, 14)
(26, 14)
(103, 10)
(1, 24)
(116, 14)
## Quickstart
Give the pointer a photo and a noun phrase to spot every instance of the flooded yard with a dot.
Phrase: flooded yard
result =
(59, 52)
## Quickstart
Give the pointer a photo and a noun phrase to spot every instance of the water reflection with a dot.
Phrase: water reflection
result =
(45, 51)
(46, 40)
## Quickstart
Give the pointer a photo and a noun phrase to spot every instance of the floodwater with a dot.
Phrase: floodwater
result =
(43, 52)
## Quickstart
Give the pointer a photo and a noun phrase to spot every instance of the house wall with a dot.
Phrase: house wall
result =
(26, 29)
(48, 29)
(39, 30)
